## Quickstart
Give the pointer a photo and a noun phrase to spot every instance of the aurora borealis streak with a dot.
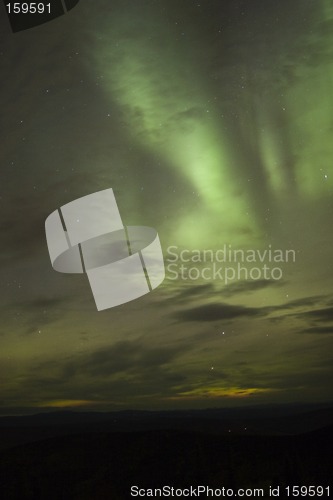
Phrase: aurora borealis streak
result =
(168, 111)
(169, 107)
(212, 122)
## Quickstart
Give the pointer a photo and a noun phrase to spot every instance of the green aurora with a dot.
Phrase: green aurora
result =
(213, 123)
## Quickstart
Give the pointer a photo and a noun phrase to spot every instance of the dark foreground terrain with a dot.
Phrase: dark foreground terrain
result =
(103, 464)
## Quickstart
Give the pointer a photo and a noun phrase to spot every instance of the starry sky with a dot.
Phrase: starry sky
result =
(212, 121)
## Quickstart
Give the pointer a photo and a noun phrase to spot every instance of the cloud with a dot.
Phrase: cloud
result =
(325, 315)
(215, 312)
(326, 330)
(221, 392)
(127, 356)
(193, 292)
(43, 311)
(119, 374)
(250, 286)
(304, 302)
(45, 302)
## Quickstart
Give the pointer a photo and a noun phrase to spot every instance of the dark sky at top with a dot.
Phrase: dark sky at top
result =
(212, 121)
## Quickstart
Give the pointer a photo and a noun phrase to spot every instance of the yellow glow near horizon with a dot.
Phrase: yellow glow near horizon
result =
(65, 403)
(221, 392)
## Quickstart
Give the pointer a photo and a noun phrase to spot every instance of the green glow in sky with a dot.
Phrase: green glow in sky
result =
(168, 109)
(158, 75)
(212, 122)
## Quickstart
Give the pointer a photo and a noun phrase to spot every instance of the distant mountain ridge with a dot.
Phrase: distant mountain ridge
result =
(103, 465)
(258, 420)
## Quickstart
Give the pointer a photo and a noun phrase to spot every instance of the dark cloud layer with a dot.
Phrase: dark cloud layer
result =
(215, 312)
(321, 330)
(128, 357)
(250, 286)
(324, 315)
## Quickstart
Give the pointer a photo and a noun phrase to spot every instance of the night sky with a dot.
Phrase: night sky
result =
(212, 121)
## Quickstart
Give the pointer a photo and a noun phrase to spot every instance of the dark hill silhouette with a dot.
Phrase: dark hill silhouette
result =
(257, 420)
(105, 465)
(73, 455)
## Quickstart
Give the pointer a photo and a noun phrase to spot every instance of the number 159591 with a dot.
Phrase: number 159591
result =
(28, 8)
(307, 491)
